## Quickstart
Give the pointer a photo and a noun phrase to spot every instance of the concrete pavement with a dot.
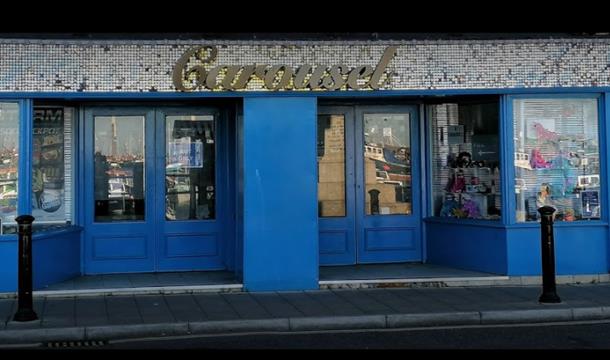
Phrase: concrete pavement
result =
(108, 317)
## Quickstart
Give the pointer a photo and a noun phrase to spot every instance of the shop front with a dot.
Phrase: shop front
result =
(271, 159)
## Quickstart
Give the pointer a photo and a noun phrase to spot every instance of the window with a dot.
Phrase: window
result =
(119, 186)
(557, 158)
(9, 163)
(465, 160)
(331, 165)
(387, 164)
(190, 167)
(52, 166)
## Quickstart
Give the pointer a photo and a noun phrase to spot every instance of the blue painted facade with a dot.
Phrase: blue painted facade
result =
(268, 184)
(276, 242)
(280, 194)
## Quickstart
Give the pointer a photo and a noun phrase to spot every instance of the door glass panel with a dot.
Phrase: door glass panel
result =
(331, 165)
(9, 164)
(190, 168)
(52, 167)
(387, 164)
(119, 168)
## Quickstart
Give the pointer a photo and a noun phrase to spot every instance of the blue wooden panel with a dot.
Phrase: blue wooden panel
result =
(280, 194)
(131, 246)
(56, 257)
(191, 245)
(578, 250)
(195, 244)
(604, 116)
(121, 246)
(467, 246)
(8, 264)
(340, 253)
(389, 239)
(333, 242)
(24, 205)
(374, 250)
(239, 201)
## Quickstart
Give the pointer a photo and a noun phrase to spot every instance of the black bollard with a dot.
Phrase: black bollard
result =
(25, 310)
(549, 293)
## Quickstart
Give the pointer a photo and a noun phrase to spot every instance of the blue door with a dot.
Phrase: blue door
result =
(155, 189)
(368, 185)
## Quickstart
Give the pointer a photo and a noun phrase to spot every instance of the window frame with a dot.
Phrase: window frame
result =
(24, 171)
(429, 135)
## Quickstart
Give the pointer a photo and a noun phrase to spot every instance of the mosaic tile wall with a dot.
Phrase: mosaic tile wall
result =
(145, 66)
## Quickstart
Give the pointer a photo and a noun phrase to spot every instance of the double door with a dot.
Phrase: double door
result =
(368, 184)
(155, 189)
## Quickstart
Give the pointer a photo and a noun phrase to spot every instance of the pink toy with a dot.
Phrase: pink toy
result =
(537, 161)
(459, 184)
(544, 134)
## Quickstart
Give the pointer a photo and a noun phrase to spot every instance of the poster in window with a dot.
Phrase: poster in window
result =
(188, 154)
(48, 164)
(455, 134)
(485, 147)
(590, 203)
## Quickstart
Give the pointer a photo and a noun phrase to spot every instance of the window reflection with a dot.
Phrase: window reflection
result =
(387, 164)
(331, 165)
(9, 163)
(465, 159)
(119, 168)
(190, 168)
(557, 161)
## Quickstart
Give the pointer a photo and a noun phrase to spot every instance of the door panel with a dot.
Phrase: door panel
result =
(368, 168)
(155, 193)
(191, 213)
(118, 193)
(389, 221)
(336, 208)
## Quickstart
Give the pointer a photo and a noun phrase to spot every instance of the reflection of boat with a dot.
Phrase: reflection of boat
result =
(395, 161)
(391, 163)
(374, 152)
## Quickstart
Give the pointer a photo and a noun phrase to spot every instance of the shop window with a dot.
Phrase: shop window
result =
(465, 160)
(9, 163)
(52, 167)
(557, 158)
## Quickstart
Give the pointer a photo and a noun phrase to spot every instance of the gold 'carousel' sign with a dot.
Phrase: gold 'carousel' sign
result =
(276, 77)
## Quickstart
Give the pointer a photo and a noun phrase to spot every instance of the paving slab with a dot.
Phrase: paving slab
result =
(276, 305)
(215, 307)
(184, 308)
(305, 304)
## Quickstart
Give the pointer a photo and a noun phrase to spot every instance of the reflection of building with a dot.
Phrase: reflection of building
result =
(388, 203)
(331, 171)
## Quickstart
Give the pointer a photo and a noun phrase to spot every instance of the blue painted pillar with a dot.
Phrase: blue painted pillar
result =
(280, 216)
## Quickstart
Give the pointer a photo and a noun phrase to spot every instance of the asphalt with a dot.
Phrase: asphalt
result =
(82, 319)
